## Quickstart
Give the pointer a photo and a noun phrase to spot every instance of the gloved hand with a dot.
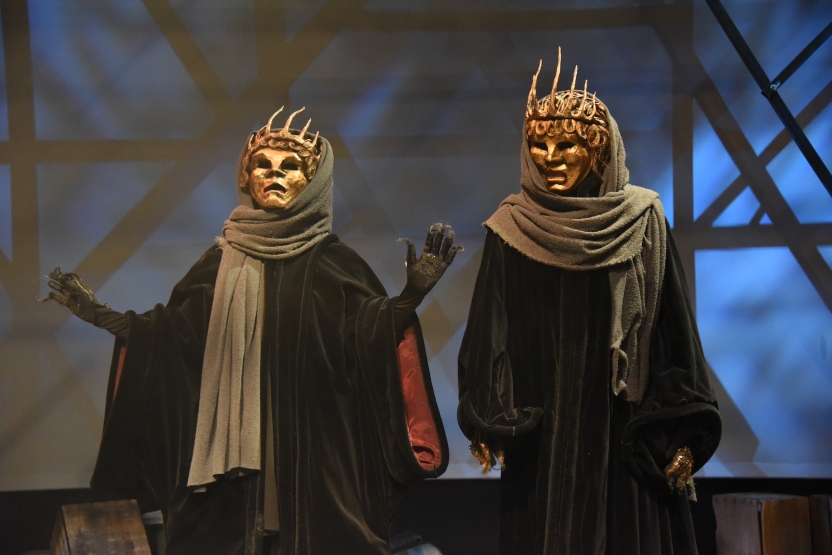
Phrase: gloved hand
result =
(424, 272)
(679, 470)
(484, 454)
(70, 291)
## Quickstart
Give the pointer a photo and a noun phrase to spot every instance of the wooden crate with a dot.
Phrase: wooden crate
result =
(820, 508)
(762, 524)
(109, 528)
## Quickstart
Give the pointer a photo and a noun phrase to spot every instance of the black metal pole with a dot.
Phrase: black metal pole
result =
(800, 58)
(780, 108)
(801, 140)
(742, 48)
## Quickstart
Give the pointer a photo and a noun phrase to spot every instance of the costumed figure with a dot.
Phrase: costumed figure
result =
(281, 401)
(581, 369)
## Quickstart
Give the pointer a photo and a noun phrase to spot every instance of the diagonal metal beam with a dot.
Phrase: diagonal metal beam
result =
(708, 216)
(742, 153)
(758, 216)
(775, 147)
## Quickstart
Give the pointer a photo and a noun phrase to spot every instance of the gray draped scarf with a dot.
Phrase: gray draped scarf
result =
(622, 230)
(228, 438)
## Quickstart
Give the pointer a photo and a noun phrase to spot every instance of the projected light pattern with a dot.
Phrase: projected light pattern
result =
(107, 71)
(120, 131)
(775, 363)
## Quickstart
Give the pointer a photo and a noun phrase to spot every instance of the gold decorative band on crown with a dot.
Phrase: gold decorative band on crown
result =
(266, 137)
(265, 134)
(571, 104)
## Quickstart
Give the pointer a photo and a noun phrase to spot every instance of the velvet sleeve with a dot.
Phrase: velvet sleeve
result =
(117, 466)
(391, 372)
(679, 407)
(154, 387)
(397, 382)
(486, 397)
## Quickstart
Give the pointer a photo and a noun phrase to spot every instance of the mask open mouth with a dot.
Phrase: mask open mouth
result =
(275, 187)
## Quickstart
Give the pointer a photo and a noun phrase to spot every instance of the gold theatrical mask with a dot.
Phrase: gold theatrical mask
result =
(277, 165)
(276, 177)
(568, 133)
(563, 160)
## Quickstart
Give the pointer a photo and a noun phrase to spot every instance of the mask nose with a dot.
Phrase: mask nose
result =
(553, 153)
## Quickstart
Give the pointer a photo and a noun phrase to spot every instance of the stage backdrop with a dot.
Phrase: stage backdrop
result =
(121, 121)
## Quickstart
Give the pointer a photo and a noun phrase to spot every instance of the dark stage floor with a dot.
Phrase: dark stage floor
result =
(458, 516)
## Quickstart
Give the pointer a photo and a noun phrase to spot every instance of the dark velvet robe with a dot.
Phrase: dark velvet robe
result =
(354, 414)
(584, 469)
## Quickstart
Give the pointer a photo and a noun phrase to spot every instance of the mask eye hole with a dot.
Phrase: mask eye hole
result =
(263, 164)
(565, 145)
(289, 166)
(541, 146)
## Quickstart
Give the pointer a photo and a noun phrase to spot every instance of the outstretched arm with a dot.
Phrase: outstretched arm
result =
(423, 273)
(70, 291)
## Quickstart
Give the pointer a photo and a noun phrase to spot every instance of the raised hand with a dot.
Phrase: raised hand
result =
(424, 272)
(70, 291)
(439, 252)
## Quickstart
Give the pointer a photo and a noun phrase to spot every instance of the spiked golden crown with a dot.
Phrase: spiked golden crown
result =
(284, 139)
(571, 104)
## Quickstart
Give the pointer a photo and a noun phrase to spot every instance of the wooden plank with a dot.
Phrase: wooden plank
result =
(762, 524)
(59, 544)
(737, 529)
(108, 528)
(785, 525)
(820, 511)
